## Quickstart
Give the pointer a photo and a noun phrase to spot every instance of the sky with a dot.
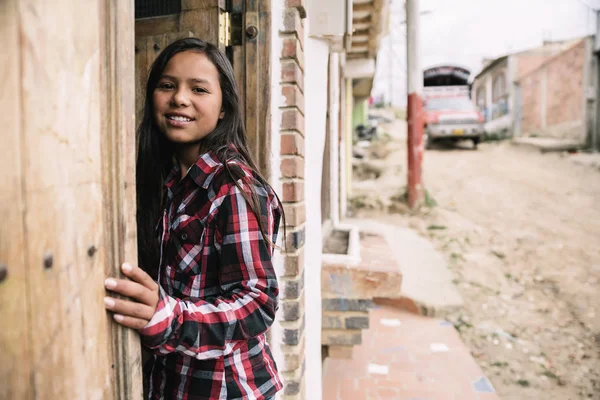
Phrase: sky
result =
(465, 32)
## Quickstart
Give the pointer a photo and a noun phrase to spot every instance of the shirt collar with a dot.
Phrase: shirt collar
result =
(201, 172)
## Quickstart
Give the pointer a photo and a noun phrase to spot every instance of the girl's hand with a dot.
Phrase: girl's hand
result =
(142, 288)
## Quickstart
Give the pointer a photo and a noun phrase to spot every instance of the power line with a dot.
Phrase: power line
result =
(588, 6)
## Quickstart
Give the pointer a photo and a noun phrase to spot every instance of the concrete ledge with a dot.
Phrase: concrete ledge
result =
(427, 286)
(352, 257)
(546, 145)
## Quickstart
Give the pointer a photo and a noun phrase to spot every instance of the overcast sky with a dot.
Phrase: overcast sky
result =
(466, 31)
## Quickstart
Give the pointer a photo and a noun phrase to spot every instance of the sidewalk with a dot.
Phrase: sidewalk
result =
(405, 356)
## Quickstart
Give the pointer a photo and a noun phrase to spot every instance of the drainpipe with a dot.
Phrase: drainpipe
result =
(414, 114)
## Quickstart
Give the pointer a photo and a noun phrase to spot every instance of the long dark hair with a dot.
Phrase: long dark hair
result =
(155, 152)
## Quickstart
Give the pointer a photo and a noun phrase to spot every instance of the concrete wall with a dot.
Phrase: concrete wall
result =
(553, 96)
(316, 77)
(277, 100)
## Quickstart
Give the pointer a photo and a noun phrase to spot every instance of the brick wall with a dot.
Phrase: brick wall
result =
(531, 96)
(565, 86)
(292, 176)
(552, 96)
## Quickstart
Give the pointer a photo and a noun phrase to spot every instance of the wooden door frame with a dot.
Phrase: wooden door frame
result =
(118, 180)
(252, 65)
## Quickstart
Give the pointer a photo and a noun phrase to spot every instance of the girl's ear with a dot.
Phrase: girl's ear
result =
(222, 115)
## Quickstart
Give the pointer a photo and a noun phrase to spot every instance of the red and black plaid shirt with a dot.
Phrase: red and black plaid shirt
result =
(218, 289)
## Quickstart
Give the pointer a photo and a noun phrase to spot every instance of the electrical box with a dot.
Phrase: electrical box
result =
(330, 19)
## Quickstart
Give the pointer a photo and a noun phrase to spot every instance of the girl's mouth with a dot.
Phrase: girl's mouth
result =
(178, 120)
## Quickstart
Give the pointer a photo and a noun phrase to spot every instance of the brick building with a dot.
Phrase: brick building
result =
(495, 88)
(557, 95)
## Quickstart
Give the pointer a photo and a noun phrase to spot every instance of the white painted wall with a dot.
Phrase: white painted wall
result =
(277, 99)
(316, 55)
(334, 143)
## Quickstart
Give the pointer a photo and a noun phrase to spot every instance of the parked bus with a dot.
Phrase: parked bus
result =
(450, 114)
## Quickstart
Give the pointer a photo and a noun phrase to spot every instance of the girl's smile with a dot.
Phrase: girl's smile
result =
(178, 120)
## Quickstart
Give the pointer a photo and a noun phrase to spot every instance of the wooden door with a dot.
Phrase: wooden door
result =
(67, 198)
(240, 28)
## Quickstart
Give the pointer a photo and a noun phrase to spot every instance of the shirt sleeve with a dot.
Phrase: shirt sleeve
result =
(210, 328)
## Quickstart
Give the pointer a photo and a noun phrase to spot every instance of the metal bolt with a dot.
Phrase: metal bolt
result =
(3, 272)
(48, 260)
(92, 250)
(251, 32)
(156, 47)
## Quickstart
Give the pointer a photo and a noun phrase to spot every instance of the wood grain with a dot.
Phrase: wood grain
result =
(60, 77)
(14, 304)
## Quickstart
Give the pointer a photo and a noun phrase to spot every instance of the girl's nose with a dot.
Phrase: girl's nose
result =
(180, 98)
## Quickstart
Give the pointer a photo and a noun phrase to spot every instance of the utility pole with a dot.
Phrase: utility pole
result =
(414, 114)
(391, 66)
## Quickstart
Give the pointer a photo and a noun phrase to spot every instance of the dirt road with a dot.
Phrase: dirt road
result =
(521, 233)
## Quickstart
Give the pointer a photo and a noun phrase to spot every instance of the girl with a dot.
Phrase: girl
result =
(206, 292)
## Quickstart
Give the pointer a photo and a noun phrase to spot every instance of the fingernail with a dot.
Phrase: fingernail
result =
(118, 317)
(109, 302)
(110, 283)
(126, 267)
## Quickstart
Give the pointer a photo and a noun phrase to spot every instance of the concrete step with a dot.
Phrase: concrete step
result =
(427, 286)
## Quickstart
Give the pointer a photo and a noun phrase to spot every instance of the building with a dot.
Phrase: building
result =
(557, 97)
(495, 90)
(302, 66)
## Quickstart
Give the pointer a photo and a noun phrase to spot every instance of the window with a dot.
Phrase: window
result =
(498, 87)
(156, 8)
(480, 97)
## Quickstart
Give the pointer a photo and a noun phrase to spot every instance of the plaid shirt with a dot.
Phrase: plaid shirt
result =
(218, 289)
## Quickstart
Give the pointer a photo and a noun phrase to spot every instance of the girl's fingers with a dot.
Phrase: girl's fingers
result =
(132, 289)
(139, 275)
(129, 308)
(130, 322)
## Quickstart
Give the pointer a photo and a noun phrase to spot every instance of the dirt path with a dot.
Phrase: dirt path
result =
(521, 233)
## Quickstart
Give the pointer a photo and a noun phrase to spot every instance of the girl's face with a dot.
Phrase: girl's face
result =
(188, 99)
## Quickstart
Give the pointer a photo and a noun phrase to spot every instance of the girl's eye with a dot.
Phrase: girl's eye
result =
(199, 90)
(165, 85)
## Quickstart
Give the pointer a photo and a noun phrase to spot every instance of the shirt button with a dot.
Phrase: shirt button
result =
(184, 236)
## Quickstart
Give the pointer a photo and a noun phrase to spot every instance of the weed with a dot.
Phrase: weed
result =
(436, 227)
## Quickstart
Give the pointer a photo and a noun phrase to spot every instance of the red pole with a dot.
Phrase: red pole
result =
(414, 112)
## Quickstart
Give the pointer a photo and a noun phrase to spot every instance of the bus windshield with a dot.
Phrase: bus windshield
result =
(449, 103)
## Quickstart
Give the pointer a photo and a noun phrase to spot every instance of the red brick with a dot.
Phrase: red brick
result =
(292, 143)
(292, 119)
(294, 263)
(293, 96)
(292, 73)
(298, 4)
(340, 352)
(292, 23)
(295, 214)
(292, 167)
(292, 49)
(293, 191)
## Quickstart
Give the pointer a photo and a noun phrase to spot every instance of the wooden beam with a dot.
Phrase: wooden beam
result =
(118, 155)
(157, 25)
(15, 308)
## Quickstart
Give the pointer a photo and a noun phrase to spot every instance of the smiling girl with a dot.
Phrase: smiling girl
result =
(205, 292)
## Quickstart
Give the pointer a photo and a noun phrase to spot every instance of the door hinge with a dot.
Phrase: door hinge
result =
(225, 28)
(231, 29)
